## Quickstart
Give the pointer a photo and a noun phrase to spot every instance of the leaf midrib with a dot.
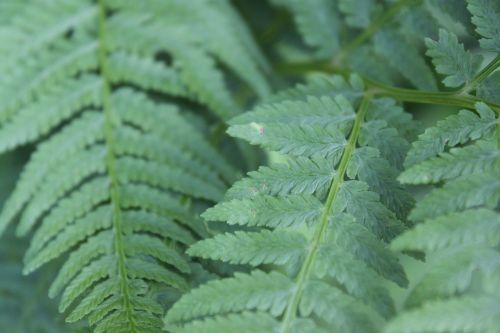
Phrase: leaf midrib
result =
(109, 123)
(319, 233)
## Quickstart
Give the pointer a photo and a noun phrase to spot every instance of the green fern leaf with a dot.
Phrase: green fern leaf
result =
(349, 314)
(292, 210)
(473, 159)
(291, 178)
(393, 150)
(369, 249)
(486, 18)
(322, 110)
(356, 277)
(253, 248)
(355, 198)
(454, 130)
(258, 290)
(452, 272)
(307, 140)
(450, 59)
(465, 192)
(474, 226)
(374, 170)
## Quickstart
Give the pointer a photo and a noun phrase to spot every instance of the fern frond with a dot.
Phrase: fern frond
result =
(486, 18)
(119, 170)
(318, 224)
(459, 229)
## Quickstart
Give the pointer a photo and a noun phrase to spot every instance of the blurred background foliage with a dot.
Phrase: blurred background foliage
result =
(24, 304)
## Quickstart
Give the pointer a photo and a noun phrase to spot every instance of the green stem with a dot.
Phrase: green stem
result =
(453, 98)
(483, 74)
(426, 97)
(320, 231)
(371, 30)
(109, 123)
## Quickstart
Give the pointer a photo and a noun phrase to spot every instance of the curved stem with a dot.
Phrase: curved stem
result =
(483, 74)
(320, 231)
(371, 30)
(427, 97)
(453, 98)
(109, 123)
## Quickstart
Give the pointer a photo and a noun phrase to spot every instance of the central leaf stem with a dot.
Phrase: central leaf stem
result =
(110, 121)
(320, 231)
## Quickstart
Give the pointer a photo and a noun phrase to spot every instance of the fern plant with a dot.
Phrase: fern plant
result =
(123, 107)
(98, 87)
(317, 222)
